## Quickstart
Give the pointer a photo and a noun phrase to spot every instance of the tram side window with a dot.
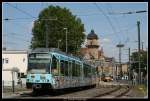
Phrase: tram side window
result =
(94, 71)
(78, 69)
(85, 70)
(69, 68)
(66, 68)
(54, 66)
(73, 68)
(89, 71)
(81, 70)
(62, 67)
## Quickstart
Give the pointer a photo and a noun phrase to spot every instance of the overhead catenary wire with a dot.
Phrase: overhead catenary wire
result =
(126, 13)
(98, 7)
(20, 10)
(129, 12)
(108, 19)
(116, 20)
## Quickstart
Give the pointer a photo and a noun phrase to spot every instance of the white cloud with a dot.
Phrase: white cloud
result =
(105, 40)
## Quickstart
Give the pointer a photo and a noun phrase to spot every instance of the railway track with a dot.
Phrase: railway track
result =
(116, 93)
(92, 93)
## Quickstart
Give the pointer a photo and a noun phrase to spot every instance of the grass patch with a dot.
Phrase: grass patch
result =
(142, 88)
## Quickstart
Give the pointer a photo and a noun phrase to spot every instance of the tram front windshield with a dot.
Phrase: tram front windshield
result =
(39, 65)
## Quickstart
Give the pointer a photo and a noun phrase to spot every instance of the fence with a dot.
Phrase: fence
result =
(144, 82)
(12, 86)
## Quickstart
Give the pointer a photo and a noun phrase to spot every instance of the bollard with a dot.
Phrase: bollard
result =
(3, 84)
(21, 83)
(13, 86)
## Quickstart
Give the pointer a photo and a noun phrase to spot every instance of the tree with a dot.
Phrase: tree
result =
(55, 29)
(135, 63)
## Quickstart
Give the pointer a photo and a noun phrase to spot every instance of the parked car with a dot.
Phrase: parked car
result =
(107, 78)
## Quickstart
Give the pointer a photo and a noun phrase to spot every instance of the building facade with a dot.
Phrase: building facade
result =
(14, 66)
(91, 52)
(94, 54)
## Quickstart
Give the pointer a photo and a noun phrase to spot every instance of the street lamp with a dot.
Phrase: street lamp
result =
(66, 38)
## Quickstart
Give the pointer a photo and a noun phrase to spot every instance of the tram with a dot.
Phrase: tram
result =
(52, 69)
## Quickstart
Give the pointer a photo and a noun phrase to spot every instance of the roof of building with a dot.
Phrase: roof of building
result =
(14, 52)
(92, 35)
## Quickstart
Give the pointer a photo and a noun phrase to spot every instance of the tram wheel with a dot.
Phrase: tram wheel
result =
(35, 92)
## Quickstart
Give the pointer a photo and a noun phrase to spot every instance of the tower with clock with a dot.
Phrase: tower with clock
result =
(92, 45)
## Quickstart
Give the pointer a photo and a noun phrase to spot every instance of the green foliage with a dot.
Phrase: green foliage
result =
(55, 29)
(135, 64)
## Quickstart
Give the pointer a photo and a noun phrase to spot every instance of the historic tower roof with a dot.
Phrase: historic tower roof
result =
(92, 35)
(92, 40)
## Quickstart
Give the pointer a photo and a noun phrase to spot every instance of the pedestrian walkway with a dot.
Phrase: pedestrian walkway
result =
(17, 93)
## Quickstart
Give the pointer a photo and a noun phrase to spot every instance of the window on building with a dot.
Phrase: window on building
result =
(18, 75)
(23, 75)
(6, 60)
(23, 59)
(3, 60)
(91, 42)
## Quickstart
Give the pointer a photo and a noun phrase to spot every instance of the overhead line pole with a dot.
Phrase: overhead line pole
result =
(120, 65)
(129, 67)
(138, 26)
(46, 36)
(142, 46)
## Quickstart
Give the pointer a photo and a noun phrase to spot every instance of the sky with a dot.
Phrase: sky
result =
(110, 28)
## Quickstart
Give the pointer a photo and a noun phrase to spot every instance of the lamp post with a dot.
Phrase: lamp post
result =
(58, 43)
(66, 39)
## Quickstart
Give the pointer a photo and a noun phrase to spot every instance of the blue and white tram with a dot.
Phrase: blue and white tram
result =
(50, 69)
